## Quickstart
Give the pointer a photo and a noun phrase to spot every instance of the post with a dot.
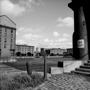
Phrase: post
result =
(45, 63)
(80, 38)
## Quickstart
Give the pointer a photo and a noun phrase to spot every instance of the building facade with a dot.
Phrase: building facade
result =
(57, 51)
(54, 51)
(70, 51)
(24, 49)
(7, 37)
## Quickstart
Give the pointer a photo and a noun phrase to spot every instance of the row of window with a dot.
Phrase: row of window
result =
(5, 37)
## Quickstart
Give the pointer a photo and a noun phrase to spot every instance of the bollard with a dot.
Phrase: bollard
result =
(60, 64)
(28, 67)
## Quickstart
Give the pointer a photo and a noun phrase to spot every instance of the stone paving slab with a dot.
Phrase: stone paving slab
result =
(65, 82)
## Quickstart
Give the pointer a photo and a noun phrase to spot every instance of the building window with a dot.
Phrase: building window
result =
(12, 53)
(11, 31)
(11, 44)
(5, 44)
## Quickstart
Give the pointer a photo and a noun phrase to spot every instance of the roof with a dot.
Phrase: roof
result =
(25, 45)
(6, 21)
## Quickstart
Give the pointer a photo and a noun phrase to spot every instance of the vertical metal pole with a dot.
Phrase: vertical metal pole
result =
(45, 67)
(45, 63)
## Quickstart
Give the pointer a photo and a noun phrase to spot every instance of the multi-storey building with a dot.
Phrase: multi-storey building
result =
(70, 51)
(7, 36)
(57, 51)
(24, 49)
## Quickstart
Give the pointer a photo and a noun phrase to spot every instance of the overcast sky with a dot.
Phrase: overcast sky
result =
(43, 23)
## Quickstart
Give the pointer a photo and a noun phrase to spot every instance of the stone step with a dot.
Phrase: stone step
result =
(83, 69)
(81, 72)
(88, 61)
(85, 66)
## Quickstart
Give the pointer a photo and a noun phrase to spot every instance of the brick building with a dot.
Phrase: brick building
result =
(7, 37)
(24, 49)
(57, 51)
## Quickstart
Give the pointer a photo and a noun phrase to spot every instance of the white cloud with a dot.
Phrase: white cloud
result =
(27, 35)
(20, 42)
(35, 2)
(66, 35)
(56, 34)
(31, 36)
(46, 40)
(62, 40)
(68, 21)
(7, 7)
(24, 30)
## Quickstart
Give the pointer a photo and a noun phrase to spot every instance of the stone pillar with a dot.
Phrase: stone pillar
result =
(86, 6)
(80, 41)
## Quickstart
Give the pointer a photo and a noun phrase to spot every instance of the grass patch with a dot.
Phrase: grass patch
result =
(20, 81)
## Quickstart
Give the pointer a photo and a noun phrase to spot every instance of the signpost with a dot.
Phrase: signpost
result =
(43, 53)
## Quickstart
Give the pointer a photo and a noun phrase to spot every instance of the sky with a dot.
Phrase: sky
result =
(42, 23)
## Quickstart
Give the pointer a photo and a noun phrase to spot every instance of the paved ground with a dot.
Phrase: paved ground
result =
(66, 82)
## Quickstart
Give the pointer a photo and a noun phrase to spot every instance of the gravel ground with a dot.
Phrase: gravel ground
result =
(66, 82)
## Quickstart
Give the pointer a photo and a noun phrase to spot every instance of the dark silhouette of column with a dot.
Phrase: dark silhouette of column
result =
(86, 6)
(80, 39)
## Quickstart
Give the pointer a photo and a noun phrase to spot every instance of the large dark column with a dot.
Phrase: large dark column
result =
(80, 41)
(86, 6)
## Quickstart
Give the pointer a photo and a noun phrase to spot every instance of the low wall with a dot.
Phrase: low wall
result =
(71, 65)
(68, 66)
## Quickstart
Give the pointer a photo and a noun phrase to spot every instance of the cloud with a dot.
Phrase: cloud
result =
(68, 21)
(20, 42)
(7, 7)
(55, 34)
(27, 35)
(63, 41)
(66, 35)
(46, 40)
(35, 2)
(31, 36)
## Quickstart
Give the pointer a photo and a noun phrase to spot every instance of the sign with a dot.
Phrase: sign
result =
(81, 43)
(42, 52)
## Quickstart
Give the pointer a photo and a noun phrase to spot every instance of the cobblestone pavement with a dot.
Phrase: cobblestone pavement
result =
(65, 82)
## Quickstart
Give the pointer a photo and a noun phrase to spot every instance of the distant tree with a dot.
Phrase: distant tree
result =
(29, 54)
(47, 52)
(39, 54)
(23, 54)
(58, 54)
(18, 54)
(51, 54)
